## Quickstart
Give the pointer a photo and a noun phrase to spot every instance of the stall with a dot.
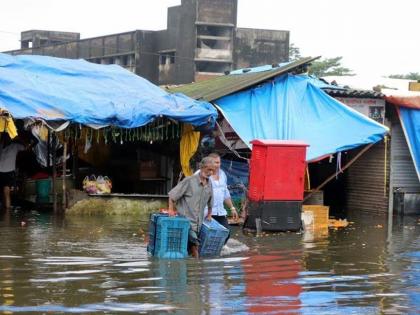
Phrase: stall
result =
(103, 120)
(281, 102)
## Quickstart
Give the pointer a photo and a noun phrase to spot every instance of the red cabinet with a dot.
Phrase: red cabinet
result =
(277, 170)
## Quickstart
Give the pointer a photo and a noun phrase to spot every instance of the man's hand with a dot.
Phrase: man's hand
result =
(234, 213)
(208, 217)
(171, 212)
(171, 207)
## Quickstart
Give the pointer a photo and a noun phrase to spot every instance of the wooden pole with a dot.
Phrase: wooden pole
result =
(75, 156)
(335, 174)
(48, 148)
(54, 171)
(64, 199)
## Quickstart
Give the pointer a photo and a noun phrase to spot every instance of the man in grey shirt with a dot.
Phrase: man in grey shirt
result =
(190, 197)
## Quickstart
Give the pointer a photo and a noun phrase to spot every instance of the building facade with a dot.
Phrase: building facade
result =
(201, 41)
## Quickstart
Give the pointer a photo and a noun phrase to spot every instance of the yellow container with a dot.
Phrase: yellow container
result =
(319, 214)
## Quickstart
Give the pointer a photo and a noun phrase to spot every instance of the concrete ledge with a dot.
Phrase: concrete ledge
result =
(116, 206)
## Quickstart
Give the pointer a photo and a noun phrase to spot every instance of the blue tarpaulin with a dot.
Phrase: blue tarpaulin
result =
(82, 92)
(237, 174)
(410, 119)
(292, 108)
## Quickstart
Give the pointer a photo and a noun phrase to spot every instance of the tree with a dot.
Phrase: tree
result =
(329, 66)
(409, 76)
(294, 53)
(322, 67)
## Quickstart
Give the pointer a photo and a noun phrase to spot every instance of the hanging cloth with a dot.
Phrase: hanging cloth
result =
(187, 147)
(7, 124)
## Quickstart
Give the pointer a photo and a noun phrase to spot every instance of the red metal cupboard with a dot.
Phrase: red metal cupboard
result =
(277, 170)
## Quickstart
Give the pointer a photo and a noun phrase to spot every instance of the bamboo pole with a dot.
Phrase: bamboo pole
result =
(75, 156)
(385, 164)
(64, 199)
(336, 173)
(48, 148)
(54, 171)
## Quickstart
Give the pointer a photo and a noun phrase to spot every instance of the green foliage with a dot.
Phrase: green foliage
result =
(323, 67)
(294, 53)
(409, 76)
(329, 66)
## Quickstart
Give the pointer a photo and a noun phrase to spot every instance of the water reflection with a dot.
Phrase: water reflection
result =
(90, 264)
(271, 285)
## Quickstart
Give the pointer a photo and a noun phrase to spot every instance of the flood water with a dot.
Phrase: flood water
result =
(90, 265)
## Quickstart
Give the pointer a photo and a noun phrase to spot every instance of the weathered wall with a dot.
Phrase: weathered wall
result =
(165, 42)
(147, 60)
(217, 11)
(255, 47)
(213, 52)
(186, 42)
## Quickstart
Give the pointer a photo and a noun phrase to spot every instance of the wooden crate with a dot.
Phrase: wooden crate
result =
(320, 214)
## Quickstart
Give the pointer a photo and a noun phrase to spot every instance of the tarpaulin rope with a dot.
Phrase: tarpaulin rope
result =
(226, 143)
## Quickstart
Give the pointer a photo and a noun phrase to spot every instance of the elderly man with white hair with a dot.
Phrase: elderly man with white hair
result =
(190, 197)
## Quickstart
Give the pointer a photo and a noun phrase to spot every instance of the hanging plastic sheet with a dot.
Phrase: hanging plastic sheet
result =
(292, 108)
(56, 89)
(7, 124)
(410, 120)
(237, 177)
(190, 140)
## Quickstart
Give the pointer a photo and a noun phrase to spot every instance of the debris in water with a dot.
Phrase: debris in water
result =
(239, 221)
(334, 223)
(233, 246)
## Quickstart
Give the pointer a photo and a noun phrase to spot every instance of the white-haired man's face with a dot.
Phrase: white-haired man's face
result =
(207, 170)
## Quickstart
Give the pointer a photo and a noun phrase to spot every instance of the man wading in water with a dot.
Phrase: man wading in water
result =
(221, 194)
(191, 196)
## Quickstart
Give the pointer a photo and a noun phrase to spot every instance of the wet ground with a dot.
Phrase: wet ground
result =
(57, 265)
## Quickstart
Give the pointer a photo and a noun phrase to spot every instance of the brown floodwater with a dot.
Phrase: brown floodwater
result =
(56, 265)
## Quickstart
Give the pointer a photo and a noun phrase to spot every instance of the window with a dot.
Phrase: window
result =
(166, 57)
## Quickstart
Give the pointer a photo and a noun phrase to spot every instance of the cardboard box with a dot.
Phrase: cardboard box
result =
(315, 216)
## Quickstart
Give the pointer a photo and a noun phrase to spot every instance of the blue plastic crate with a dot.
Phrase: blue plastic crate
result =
(212, 238)
(168, 236)
(152, 229)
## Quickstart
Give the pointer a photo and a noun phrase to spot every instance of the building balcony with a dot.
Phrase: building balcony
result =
(208, 54)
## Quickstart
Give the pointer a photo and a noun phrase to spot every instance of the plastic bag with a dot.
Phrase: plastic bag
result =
(89, 184)
(103, 185)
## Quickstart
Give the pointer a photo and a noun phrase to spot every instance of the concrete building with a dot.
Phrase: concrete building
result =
(201, 40)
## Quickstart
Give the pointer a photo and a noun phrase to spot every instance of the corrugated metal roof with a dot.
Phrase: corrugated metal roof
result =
(218, 87)
(353, 93)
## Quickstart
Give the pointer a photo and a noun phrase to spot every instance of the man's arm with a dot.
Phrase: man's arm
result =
(175, 194)
(228, 200)
(210, 206)
(171, 207)
(232, 208)
(208, 217)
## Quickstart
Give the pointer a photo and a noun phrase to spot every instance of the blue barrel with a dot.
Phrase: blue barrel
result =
(43, 188)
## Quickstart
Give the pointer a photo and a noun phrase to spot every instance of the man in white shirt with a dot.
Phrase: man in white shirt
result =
(8, 152)
(221, 195)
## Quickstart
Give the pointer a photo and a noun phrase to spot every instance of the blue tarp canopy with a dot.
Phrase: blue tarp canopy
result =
(291, 107)
(91, 94)
(410, 120)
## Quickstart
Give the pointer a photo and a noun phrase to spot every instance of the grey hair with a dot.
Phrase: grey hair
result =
(206, 161)
(214, 155)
